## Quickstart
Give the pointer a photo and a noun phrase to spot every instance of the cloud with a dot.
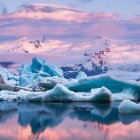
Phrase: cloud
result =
(85, 1)
(70, 30)
(65, 21)
(3, 9)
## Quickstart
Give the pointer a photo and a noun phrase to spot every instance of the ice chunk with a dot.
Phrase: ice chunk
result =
(48, 83)
(128, 106)
(102, 94)
(130, 88)
(38, 68)
(123, 96)
(41, 66)
(8, 76)
(58, 93)
(81, 75)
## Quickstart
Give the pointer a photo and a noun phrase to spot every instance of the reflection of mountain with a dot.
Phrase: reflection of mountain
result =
(96, 62)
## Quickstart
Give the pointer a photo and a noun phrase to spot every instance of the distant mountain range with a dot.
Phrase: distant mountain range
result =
(96, 64)
(46, 29)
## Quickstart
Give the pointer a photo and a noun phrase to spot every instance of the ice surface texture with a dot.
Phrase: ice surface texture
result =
(43, 82)
(38, 68)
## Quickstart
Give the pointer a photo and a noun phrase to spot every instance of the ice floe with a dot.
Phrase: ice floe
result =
(43, 82)
(58, 93)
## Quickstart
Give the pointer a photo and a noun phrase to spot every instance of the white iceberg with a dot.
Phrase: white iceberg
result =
(102, 94)
(58, 93)
(128, 106)
(43, 82)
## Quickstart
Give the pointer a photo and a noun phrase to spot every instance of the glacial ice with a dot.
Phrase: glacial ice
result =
(128, 106)
(46, 83)
(38, 68)
(8, 76)
(58, 93)
(129, 88)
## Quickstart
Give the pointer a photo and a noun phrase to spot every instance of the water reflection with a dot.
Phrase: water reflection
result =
(60, 121)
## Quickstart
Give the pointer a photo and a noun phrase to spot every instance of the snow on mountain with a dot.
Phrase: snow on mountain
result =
(44, 30)
(97, 60)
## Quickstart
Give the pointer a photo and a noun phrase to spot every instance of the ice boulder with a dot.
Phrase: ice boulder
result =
(48, 83)
(58, 93)
(41, 66)
(27, 79)
(102, 94)
(38, 68)
(8, 76)
(128, 106)
(115, 85)
(81, 75)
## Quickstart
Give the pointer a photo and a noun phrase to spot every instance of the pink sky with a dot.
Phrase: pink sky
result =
(69, 31)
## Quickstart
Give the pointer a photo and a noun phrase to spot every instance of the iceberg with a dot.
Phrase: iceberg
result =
(128, 106)
(38, 68)
(43, 82)
(101, 94)
(8, 76)
(131, 89)
(58, 93)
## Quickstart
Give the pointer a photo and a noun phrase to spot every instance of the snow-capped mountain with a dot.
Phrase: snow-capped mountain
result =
(97, 63)
(96, 60)
(28, 45)
(79, 37)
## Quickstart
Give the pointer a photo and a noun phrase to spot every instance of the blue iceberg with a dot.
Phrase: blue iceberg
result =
(115, 85)
(43, 82)
(59, 93)
(38, 68)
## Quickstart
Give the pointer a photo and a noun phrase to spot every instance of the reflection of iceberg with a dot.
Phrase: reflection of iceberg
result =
(40, 116)
(7, 110)
(8, 76)
(129, 107)
(129, 118)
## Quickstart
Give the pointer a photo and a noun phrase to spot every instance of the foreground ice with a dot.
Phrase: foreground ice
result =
(128, 106)
(58, 93)
(43, 82)
(120, 89)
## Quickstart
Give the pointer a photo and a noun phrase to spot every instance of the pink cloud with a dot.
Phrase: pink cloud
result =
(70, 31)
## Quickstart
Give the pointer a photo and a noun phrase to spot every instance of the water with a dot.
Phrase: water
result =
(66, 121)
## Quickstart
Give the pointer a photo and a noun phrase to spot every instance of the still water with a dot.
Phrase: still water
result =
(66, 121)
